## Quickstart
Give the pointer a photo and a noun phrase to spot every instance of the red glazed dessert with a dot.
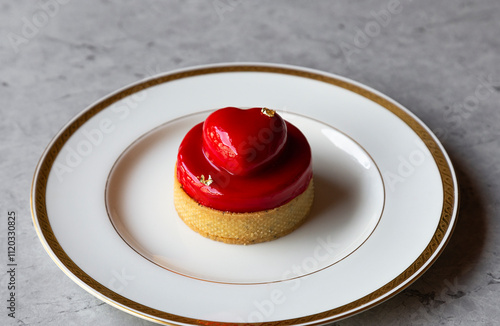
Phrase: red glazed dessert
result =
(243, 176)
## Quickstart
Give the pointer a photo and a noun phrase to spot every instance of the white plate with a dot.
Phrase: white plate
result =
(385, 201)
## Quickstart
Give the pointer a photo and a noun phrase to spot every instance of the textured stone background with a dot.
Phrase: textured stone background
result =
(431, 56)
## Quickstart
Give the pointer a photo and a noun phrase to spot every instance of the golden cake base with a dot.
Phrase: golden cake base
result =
(243, 228)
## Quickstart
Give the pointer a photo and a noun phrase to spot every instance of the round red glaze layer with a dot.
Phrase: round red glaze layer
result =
(262, 186)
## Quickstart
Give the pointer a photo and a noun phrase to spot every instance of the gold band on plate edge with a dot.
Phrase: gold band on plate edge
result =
(44, 229)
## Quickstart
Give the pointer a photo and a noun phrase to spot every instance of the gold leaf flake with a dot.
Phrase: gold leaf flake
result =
(270, 113)
(206, 182)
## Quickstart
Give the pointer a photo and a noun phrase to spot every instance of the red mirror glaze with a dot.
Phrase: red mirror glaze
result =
(282, 170)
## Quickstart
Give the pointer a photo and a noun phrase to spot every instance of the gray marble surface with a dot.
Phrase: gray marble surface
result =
(57, 57)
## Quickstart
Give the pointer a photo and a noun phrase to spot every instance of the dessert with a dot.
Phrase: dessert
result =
(243, 176)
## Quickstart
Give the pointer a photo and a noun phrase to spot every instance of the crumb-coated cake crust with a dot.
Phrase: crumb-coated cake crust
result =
(243, 228)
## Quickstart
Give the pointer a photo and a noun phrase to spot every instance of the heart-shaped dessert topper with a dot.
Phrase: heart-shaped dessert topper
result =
(243, 140)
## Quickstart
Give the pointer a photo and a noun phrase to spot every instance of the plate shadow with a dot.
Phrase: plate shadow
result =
(327, 195)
